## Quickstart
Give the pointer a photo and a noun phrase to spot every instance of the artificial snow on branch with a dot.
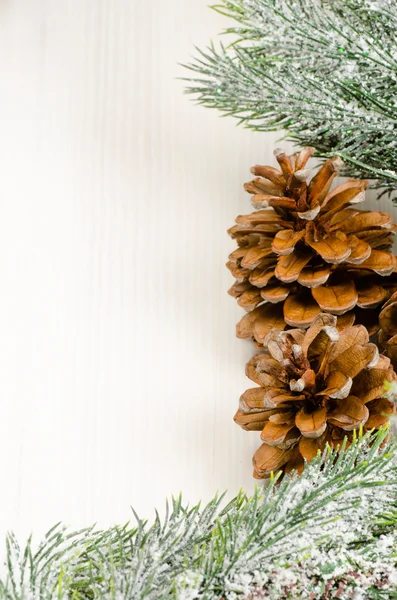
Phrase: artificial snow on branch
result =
(329, 534)
(323, 70)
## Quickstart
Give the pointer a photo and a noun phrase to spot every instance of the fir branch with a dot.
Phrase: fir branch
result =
(323, 70)
(330, 533)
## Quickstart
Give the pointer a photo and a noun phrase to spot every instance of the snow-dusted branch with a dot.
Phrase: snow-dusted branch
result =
(332, 533)
(325, 71)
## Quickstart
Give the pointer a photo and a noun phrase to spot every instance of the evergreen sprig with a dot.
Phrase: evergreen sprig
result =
(323, 70)
(330, 533)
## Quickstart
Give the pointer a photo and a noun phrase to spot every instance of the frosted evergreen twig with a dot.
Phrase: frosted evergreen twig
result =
(334, 528)
(325, 71)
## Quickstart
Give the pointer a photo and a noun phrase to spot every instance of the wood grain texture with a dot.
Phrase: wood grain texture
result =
(120, 371)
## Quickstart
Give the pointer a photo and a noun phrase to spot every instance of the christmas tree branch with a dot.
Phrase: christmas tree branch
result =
(330, 533)
(325, 71)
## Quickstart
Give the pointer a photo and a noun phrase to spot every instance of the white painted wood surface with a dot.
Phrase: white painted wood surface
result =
(120, 372)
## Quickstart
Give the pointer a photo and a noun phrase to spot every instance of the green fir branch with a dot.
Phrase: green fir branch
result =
(323, 70)
(330, 533)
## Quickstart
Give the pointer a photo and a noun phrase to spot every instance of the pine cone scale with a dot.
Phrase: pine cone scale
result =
(312, 424)
(336, 299)
(300, 310)
(289, 267)
(388, 328)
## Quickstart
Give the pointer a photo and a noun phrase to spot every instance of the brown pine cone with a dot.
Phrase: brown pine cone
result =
(308, 250)
(388, 328)
(315, 386)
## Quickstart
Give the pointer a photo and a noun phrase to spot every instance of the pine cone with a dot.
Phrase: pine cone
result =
(316, 386)
(388, 328)
(308, 250)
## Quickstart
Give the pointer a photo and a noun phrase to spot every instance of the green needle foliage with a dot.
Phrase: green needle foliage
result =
(323, 70)
(329, 534)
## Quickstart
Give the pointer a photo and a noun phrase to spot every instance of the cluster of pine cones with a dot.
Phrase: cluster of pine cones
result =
(318, 280)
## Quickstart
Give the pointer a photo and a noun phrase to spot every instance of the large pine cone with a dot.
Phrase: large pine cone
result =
(307, 250)
(316, 386)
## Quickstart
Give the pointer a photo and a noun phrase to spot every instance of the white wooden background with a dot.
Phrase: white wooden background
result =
(120, 372)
